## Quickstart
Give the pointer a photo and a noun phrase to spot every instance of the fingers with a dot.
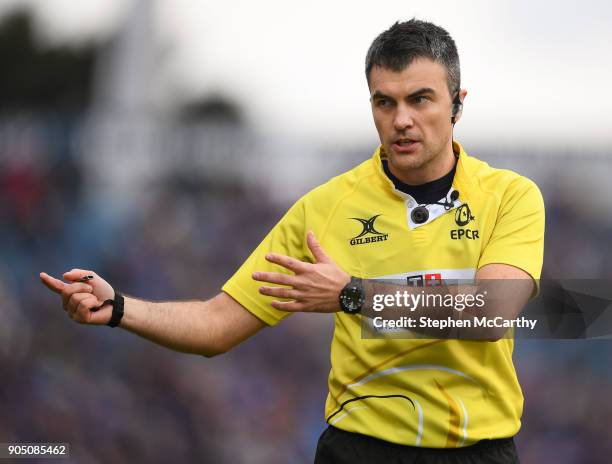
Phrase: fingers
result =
(281, 292)
(58, 286)
(52, 283)
(316, 248)
(275, 278)
(64, 289)
(73, 289)
(291, 306)
(287, 262)
(82, 307)
(73, 302)
(280, 279)
(75, 275)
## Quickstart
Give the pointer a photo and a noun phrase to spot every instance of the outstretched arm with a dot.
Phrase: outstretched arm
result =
(207, 327)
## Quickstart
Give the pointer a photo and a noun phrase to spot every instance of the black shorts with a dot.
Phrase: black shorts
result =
(339, 447)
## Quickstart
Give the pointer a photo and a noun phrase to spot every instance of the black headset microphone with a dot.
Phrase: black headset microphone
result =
(420, 214)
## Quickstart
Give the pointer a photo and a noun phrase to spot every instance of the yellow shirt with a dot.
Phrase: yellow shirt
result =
(430, 393)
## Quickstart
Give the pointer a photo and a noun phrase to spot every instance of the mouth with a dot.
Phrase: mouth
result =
(405, 139)
(404, 144)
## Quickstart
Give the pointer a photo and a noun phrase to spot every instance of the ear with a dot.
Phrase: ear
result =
(462, 95)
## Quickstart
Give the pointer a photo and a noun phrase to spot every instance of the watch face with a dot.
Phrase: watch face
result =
(351, 299)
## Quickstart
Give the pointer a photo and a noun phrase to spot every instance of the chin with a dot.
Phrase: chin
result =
(406, 161)
(419, 158)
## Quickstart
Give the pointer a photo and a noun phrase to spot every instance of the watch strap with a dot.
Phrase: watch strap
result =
(117, 314)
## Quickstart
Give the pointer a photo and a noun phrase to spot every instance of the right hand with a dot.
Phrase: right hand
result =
(81, 299)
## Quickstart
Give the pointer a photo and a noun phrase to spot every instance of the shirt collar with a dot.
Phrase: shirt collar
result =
(463, 176)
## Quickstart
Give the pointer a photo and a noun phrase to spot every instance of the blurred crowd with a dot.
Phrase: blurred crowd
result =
(117, 398)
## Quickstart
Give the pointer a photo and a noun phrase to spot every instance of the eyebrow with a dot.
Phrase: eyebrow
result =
(416, 93)
(422, 91)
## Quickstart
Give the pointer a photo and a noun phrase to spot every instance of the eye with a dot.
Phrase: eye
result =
(382, 103)
(420, 99)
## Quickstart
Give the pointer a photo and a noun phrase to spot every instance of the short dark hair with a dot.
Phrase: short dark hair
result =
(399, 45)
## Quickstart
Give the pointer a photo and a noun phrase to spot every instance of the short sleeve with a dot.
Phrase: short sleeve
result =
(518, 235)
(287, 238)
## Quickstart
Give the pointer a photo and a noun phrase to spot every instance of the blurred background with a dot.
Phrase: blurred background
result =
(157, 142)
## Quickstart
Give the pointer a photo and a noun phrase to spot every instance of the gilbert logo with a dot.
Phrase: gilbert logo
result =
(369, 234)
(463, 216)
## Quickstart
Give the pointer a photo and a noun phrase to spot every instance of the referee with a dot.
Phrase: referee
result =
(420, 211)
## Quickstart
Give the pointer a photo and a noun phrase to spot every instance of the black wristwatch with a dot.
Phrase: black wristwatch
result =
(352, 296)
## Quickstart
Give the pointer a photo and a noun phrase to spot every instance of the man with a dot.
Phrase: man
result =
(420, 210)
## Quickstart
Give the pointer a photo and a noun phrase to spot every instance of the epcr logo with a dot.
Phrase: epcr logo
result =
(463, 215)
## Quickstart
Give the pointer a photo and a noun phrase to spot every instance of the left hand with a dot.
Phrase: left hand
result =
(313, 287)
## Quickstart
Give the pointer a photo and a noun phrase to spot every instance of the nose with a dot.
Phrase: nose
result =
(403, 118)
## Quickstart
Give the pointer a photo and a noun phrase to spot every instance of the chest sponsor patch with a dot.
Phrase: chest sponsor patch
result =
(369, 233)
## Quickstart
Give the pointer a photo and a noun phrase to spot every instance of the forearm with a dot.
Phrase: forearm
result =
(186, 326)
